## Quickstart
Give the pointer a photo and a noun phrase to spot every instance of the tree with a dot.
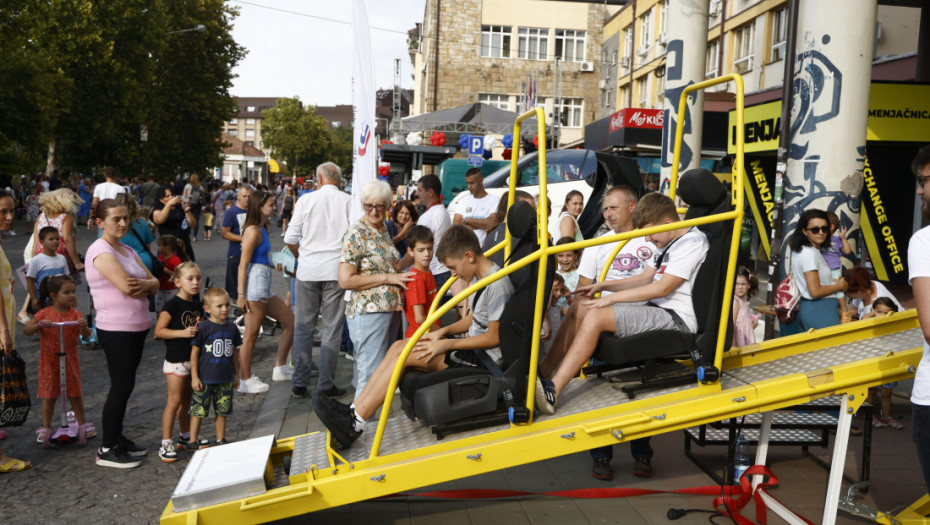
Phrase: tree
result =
(296, 135)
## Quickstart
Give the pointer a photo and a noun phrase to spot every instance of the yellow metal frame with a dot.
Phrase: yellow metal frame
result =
(341, 482)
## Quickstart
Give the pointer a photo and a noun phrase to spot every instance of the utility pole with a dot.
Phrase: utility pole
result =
(395, 103)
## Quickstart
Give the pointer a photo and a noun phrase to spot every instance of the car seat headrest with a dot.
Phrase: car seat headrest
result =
(521, 219)
(700, 188)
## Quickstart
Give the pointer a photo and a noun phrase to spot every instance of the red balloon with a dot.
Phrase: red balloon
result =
(507, 154)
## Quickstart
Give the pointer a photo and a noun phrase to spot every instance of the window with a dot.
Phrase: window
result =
(233, 133)
(233, 122)
(250, 133)
(624, 97)
(496, 100)
(250, 109)
(571, 112)
(713, 52)
(532, 43)
(569, 45)
(660, 92)
(250, 122)
(742, 49)
(336, 124)
(495, 41)
(779, 33)
(663, 17)
(645, 29)
(628, 41)
(641, 93)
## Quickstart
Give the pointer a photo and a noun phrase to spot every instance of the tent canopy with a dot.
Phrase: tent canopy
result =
(476, 118)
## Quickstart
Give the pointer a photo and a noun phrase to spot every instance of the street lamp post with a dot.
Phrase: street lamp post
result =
(199, 28)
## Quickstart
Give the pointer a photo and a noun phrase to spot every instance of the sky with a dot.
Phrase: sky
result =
(299, 47)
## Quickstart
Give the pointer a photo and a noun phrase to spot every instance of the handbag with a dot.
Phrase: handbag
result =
(14, 394)
(157, 266)
(787, 300)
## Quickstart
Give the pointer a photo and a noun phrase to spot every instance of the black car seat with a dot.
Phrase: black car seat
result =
(612, 170)
(705, 195)
(458, 399)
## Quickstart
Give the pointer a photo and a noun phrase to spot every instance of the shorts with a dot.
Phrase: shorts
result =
(182, 369)
(635, 319)
(220, 395)
(258, 283)
(469, 359)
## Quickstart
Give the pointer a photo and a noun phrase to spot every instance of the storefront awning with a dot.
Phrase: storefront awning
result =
(273, 166)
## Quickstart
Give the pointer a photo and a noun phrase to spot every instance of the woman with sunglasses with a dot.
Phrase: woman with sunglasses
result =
(818, 308)
(368, 270)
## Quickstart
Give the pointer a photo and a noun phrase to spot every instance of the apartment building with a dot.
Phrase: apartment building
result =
(503, 52)
(247, 124)
(744, 36)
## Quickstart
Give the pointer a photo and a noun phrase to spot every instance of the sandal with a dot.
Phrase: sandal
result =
(15, 465)
(42, 436)
(86, 431)
(23, 318)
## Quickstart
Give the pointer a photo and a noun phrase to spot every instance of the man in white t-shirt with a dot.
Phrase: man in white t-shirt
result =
(618, 206)
(665, 283)
(106, 190)
(918, 260)
(436, 218)
(476, 210)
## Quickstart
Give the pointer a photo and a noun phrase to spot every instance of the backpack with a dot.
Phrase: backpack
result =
(787, 300)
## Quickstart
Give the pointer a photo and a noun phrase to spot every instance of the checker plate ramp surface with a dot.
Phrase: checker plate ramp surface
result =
(793, 436)
(827, 357)
(810, 419)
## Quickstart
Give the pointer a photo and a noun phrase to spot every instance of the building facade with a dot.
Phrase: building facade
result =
(247, 124)
(744, 36)
(505, 52)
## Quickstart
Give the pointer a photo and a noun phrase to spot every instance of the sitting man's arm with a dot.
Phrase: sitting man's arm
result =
(654, 290)
(617, 285)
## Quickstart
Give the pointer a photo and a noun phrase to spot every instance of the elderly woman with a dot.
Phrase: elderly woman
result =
(7, 310)
(119, 285)
(57, 210)
(174, 217)
(368, 269)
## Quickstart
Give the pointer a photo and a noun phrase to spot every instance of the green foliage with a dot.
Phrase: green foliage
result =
(85, 75)
(302, 139)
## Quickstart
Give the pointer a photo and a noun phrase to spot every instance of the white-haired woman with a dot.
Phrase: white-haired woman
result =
(58, 210)
(368, 269)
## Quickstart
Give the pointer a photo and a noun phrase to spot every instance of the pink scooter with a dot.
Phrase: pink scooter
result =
(69, 431)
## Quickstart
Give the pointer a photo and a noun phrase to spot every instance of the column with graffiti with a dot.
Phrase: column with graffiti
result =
(829, 117)
(684, 66)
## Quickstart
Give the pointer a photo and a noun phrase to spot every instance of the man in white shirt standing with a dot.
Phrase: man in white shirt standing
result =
(106, 190)
(918, 260)
(475, 210)
(436, 218)
(314, 236)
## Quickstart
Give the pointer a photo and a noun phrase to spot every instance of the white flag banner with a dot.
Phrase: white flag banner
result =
(365, 149)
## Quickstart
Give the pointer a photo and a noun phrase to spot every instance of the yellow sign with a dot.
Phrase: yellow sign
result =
(897, 112)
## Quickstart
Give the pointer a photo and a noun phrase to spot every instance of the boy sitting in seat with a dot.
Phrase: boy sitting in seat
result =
(664, 286)
(460, 252)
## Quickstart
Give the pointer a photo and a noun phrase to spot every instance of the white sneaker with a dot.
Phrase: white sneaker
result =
(282, 373)
(252, 385)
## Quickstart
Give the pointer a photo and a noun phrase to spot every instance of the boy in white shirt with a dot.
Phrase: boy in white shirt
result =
(44, 265)
(665, 285)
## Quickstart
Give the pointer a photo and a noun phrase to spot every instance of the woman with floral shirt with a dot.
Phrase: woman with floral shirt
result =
(368, 270)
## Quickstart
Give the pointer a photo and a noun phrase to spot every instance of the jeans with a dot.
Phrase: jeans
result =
(817, 313)
(372, 334)
(922, 440)
(232, 277)
(123, 351)
(323, 300)
(639, 448)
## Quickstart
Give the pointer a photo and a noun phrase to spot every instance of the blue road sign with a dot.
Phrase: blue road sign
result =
(476, 146)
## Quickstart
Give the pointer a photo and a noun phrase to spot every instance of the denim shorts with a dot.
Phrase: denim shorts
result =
(258, 283)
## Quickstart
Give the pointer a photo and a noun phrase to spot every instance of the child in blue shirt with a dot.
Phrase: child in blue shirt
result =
(214, 367)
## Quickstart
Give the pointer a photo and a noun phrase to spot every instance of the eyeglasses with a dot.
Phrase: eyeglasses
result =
(379, 207)
(818, 229)
(922, 179)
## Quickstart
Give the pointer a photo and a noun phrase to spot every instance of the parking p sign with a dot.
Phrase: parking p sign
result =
(475, 151)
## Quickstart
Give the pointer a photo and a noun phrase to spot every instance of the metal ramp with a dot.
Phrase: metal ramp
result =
(593, 412)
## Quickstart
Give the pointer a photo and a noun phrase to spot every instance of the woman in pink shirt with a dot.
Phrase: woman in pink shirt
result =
(120, 285)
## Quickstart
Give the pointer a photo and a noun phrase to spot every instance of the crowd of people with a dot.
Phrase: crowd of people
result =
(375, 278)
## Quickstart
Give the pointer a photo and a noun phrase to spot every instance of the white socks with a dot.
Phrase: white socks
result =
(359, 424)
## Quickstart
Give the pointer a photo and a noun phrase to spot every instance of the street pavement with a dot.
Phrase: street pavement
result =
(66, 486)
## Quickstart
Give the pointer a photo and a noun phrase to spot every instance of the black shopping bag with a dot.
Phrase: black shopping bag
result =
(14, 394)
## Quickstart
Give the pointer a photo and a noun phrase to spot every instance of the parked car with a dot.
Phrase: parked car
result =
(587, 171)
(452, 175)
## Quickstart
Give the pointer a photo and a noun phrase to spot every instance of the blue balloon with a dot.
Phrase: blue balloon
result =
(463, 141)
(507, 141)
(487, 154)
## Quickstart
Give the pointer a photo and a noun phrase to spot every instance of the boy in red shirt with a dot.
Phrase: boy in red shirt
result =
(422, 289)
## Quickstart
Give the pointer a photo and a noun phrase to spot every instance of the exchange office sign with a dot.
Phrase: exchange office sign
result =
(897, 112)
